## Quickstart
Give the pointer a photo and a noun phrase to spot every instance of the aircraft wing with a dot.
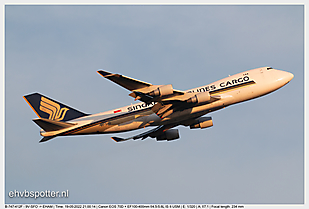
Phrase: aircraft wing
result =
(142, 135)
(167, 99)
(143, 91)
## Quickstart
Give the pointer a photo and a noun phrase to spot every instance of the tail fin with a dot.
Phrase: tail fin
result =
(50, 109)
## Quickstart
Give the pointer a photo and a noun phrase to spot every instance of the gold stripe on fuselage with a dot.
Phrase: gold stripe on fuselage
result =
(231, 88)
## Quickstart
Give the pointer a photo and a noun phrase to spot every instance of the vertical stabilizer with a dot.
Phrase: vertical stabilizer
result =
(50, 109)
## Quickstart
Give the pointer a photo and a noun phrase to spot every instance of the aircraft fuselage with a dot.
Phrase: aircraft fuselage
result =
(231, 90)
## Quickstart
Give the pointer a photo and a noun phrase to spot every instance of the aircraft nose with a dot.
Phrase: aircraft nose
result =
(283, 77)
(290, 76)
(287, 77)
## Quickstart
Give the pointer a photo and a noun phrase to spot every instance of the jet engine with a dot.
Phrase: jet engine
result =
(203, 122)
(199, 98)
(162, 91)
(169, 135)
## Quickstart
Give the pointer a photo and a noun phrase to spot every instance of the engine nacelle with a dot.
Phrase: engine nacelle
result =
(169, 135)
(204, 122)
(162, 91)
(199, 98)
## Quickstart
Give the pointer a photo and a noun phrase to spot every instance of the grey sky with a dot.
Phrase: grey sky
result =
(252, 154)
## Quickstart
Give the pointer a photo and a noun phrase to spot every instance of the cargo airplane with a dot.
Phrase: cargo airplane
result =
(161, 106)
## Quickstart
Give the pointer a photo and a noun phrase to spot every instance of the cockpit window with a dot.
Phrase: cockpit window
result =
(269, 68)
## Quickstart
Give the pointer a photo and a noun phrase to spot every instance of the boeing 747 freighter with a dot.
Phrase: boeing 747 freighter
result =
(161, 106)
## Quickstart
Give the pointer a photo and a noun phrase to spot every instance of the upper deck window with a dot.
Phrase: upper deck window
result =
(269, 68)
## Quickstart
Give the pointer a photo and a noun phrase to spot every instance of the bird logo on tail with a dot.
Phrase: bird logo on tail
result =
(53, 109)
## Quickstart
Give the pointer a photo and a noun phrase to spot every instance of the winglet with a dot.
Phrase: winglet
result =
(117, 139)
(46, 138)
(104, 73)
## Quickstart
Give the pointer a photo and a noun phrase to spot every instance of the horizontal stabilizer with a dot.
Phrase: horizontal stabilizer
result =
(51, 125)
